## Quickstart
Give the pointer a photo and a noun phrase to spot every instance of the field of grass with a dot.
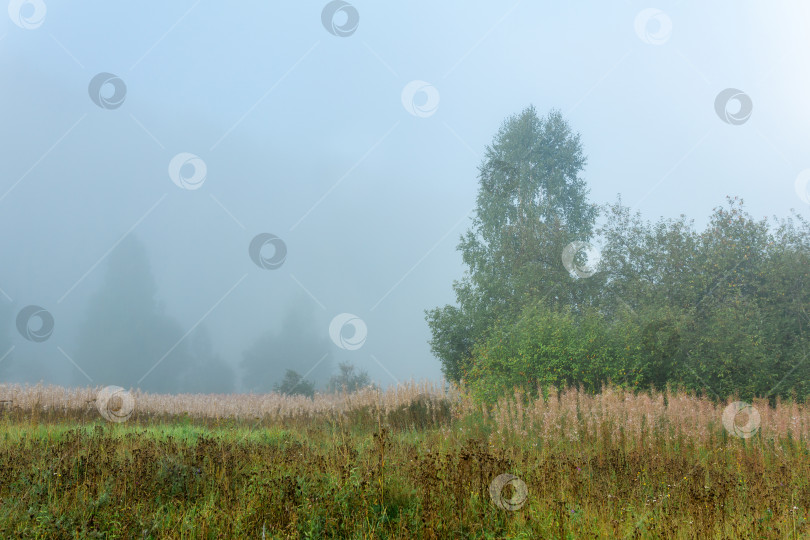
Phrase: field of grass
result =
(415, 463)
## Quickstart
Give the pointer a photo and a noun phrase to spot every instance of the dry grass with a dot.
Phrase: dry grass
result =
(55, 399)
(614, 413)
(563, 415)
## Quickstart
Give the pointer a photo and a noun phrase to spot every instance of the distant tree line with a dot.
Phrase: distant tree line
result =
(720, 312)
(126, 338)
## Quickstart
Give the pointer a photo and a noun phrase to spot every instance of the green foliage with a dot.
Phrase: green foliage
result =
(554, 348)
(347, 380)
(531, 203)
(294, 384)
(721, 312)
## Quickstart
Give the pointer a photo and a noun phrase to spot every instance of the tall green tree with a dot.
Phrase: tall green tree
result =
(531, 203)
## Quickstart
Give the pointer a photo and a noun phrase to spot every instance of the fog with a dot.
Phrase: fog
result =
(147, 147)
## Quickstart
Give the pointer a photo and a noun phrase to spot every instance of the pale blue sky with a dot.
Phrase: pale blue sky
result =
(304, 135)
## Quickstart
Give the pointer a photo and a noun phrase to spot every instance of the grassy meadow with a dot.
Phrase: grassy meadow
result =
(415, 462)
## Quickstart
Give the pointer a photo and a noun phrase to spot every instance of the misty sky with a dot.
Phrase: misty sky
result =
(307, 135)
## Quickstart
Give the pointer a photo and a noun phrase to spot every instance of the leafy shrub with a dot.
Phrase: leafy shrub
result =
(294, 384)
(349, 381)
(547, 348)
